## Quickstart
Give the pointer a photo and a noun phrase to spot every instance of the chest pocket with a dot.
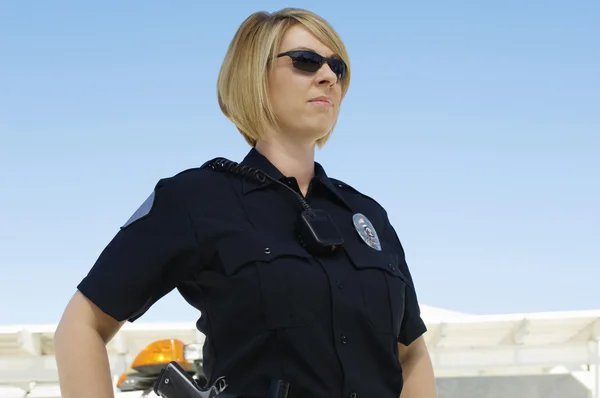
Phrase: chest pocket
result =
(383, 286)
(275, 283)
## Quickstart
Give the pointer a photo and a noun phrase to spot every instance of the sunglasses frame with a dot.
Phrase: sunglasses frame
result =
(319, 58)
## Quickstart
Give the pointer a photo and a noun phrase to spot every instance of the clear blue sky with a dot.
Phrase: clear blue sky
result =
(476, 124)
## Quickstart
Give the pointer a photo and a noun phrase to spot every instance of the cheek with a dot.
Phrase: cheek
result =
(338, 93)
(286, 92)
(292, 96)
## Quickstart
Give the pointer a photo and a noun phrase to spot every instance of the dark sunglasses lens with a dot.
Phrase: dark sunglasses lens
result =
(338, 67)
(307, 61)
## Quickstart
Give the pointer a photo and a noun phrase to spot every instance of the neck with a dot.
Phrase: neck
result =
(292, 159)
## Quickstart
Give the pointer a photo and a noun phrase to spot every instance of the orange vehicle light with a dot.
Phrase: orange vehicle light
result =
(160, 353)
(122, 378)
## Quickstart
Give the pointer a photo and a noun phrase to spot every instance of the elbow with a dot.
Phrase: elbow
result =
(67, 331)
(64, 332)
(61, 333)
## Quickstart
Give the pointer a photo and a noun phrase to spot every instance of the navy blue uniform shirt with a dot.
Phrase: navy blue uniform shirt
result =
(269, 309)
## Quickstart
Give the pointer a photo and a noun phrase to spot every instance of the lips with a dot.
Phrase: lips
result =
(322, 100)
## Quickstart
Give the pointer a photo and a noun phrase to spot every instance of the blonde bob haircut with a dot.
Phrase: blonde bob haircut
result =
(242, 86)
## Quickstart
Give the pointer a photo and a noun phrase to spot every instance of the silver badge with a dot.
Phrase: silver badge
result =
(366, 231)
(142, 211)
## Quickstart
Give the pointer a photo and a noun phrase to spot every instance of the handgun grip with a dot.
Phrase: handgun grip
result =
(175, 382)
(278, 389)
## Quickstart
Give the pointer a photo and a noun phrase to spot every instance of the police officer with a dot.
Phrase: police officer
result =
(298, 276)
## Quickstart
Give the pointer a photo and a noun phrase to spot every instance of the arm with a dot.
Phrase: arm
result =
(417, 369)
(83, 324)
(148, 257)
(419, 380)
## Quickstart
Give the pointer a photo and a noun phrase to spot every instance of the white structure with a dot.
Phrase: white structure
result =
(545, 355)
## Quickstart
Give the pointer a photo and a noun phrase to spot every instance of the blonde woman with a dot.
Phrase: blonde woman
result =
(298, 276)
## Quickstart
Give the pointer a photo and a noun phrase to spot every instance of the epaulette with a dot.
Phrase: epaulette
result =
(187, 171)
(343, 185)
(349, 188)
(208, 165)
(184, 175)
(204, 167)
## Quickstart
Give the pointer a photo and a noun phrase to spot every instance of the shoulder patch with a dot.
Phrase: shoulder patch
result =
(142, 211)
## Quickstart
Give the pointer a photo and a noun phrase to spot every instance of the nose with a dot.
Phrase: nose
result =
(326, 75)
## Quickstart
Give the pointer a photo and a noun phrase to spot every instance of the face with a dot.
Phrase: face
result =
(305, 103)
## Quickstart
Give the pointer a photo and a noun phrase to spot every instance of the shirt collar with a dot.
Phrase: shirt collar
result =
(256, 160)
(321, 175)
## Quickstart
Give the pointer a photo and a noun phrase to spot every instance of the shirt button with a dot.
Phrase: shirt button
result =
(390, 266)
(344, 339)
(340, 284)
(267, 251)
(353, 395)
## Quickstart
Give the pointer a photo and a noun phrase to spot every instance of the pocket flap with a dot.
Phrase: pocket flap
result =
(363, 257)
(238, 250)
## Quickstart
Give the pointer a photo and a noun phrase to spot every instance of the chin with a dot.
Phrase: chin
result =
(315, 128)
(315, 134)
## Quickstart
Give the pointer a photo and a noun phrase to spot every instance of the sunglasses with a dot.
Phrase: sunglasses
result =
(309, 61)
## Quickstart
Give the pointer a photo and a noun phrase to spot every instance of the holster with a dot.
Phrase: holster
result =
(174, 382)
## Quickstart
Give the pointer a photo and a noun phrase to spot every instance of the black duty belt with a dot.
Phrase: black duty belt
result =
(277, 389)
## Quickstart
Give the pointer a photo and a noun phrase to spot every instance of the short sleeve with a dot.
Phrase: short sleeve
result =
(413, 325)
(151, 255)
